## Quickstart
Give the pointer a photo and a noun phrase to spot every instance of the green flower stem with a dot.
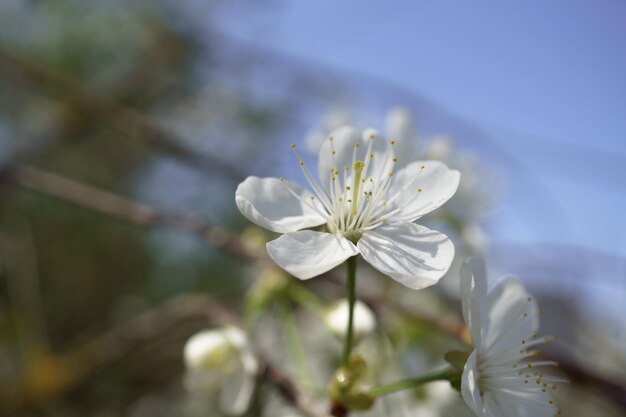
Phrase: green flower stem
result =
(293, 343)
(351, 284)
(412, 382)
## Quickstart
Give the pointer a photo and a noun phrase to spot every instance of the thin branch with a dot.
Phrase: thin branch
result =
(118, 117)
(122, 208)
(290, 391)
(80, 364)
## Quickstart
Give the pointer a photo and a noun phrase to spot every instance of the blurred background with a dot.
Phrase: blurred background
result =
(126, 126)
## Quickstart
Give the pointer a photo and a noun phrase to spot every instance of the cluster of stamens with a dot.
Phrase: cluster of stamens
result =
(357, 198)
(512, 371)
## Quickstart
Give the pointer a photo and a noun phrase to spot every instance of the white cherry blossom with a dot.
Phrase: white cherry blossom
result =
(221, 361)
(502, 376)
(368, 205)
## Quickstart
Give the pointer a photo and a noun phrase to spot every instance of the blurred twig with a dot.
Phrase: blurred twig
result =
(120, 118)
(122, 208)
(79, 364)
(290, 391)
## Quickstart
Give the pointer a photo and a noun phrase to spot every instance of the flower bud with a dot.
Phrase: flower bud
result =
(336, 319)
(220, 361)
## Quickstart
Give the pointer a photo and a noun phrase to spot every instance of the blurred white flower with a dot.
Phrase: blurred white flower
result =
(336, 319)
(221, 361)
(367, 205)
(499, 378)
(399, 126)
(474, 196)
(335, 119)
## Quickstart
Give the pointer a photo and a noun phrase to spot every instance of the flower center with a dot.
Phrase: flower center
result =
(358, 197)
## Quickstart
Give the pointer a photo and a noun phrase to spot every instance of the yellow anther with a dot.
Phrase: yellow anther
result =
(393, 142)
(395, 159)
(301, 163)
(293, 146)
(422, 167)
(419, 190)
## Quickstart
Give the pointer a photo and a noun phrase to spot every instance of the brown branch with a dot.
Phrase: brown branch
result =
(290, 392)
(122, 208)
(118, 117)
(78, 365)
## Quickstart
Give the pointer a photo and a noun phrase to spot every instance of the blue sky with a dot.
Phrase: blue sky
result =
(552, 72)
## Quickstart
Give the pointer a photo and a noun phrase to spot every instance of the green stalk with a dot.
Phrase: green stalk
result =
(412, 382)
(293, 343)
(351, 284)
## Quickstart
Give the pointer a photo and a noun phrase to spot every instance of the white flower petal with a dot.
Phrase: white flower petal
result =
(400, 126)
(379, 159)
(333, 120)
(239, 340)
(469, 385)
(268, 203)
(202, 345)
(306, 254)
(409, 253)
(236, 393)
(336, 153)
(509, 316)
(473, 294)
(437, 184)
